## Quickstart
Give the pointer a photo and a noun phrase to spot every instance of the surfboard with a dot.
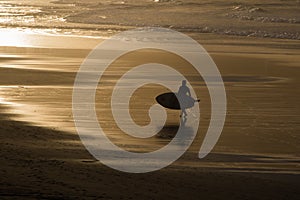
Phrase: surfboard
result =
(171, 101)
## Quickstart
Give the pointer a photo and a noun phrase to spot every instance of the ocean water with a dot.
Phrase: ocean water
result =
(253, 18)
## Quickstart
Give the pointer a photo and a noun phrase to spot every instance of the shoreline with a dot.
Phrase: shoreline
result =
(275, 19)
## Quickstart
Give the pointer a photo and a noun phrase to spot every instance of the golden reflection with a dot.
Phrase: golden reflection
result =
(13, 37)
(4, 102)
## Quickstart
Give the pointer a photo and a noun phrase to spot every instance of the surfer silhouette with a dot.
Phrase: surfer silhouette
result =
(183, 93)
(180, 100)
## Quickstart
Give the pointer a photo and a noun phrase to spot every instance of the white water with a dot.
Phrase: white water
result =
(274, 18)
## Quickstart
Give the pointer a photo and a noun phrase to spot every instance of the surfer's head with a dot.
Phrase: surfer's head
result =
(183, 82)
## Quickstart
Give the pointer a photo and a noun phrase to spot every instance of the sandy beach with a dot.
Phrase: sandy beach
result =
(257, 156)
(256, 48)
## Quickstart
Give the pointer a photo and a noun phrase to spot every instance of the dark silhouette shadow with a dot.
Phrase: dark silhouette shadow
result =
(170, 131)
(183, 93)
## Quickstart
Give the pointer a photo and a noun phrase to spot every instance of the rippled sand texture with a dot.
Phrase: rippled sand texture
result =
(274, 18)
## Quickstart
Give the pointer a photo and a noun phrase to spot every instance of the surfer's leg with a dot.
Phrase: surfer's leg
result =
(184, 112)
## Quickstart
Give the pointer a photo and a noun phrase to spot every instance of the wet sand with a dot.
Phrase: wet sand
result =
(257, 156)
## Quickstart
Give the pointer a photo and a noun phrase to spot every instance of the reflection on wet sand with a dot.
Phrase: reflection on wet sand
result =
(259, 140)
(47, 94)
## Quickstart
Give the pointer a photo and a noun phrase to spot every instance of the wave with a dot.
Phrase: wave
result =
(262, 15)
(272, 19)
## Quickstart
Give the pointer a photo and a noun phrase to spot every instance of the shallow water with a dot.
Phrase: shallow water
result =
(275, 18)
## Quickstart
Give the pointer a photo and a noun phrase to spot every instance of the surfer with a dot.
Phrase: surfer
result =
(180, 100)
(183, 93)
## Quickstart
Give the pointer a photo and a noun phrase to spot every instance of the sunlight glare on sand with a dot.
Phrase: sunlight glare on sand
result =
(13, 37)
(3, 102)
(18, 37)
